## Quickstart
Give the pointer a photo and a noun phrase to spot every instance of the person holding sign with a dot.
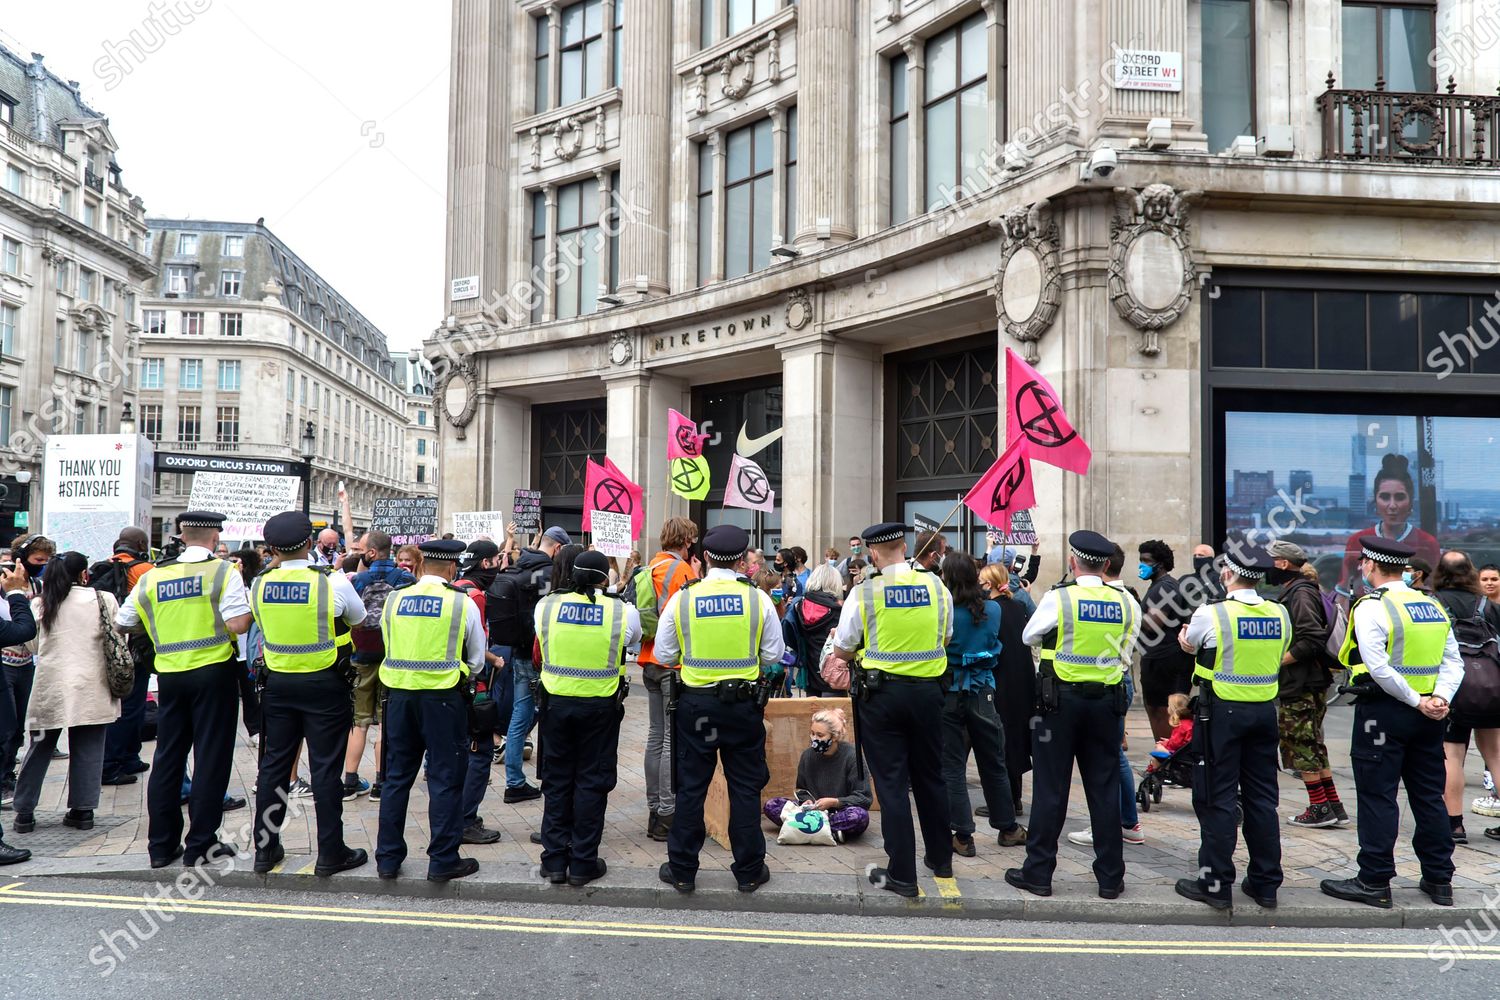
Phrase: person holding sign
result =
(192, 607)
(583, 635)
(305, 613)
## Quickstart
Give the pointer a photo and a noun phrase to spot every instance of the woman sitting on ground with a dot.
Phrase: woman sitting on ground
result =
(828, 779)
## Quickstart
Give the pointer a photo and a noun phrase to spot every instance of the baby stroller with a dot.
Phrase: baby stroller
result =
(1168, 769)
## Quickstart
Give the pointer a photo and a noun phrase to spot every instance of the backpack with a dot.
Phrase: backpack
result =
(113, 577)
(1479, 645)
(369, 644)
(643, 594)
(510, 604)
(477, 596)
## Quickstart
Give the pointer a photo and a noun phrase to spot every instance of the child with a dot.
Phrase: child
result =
(1182, 727)
(827, 778)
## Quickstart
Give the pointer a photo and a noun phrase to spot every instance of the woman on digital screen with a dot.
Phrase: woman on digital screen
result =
(1394, 495)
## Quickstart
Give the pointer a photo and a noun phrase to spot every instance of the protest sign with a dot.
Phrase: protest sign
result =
(921, 524)
(408, 520)
(469, 525)
(92, 486)
(611, 531)
(1022, 531)
(245, 501)
(527, 511)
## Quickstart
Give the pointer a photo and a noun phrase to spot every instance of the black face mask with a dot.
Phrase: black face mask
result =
(1201, 563)
(481, 578)
(1281, 577)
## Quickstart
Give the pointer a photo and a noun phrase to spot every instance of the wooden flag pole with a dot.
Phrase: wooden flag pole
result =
(939, 531)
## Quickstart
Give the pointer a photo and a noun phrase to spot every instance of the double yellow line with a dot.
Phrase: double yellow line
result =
(15, 895)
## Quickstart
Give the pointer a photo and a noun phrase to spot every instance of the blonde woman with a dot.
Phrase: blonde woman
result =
(828, 779)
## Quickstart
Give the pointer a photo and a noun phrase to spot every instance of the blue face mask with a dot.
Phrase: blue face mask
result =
(1408, 577)
(1146, 570)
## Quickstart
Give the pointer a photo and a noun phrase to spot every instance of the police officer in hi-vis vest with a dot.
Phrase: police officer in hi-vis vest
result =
(191, 607)
(723, 631)
(901, 616)
(434, 641)
(304, 612)
(583, 635)
(1087, 632)
(1405, 664)
(1239, 643)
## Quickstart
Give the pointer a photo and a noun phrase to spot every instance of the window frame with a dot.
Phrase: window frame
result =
(187, 245)
(151, 417)
(11, 250)
(931, 101)
(231, 324)
(8, 334)
(174, 286)
(191, 323)
(190, 415)
(147, 315)
(237, 242)
(1380, 7)
(186, 365)
(234, 276)
(226, 425)
(156, 367)
(230, 366)
(548, 48)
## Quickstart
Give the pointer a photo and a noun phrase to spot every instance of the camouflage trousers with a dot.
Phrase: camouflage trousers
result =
(1301, 722)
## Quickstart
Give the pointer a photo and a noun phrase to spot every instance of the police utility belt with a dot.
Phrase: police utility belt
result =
(1051, 688)
(730, 692)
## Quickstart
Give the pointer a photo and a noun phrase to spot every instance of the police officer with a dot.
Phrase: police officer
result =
(1238, 643)
(1087, 632)
(304, 613)
(723, 631)
(434, 642)
(1405, 663)
(583, 635)
(191, 607)
(901, 616)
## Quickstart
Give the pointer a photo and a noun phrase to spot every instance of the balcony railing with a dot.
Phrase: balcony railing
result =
(1387, 126)
(93, 180)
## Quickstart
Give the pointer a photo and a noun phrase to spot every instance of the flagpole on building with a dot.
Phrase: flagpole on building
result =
(942, 526)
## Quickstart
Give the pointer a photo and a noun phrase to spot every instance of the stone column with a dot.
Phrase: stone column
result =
(826, 69)
(916, 127)
(645, 144)
(606, 219)
(479, 179)
(715, 142)
(831, 478)
(549, 280)
(507, 444)
(994, 13)
(778, 187)
(637, 404)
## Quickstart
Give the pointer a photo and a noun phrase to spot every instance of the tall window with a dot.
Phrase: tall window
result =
(151, 421)
(187, 244)
(421, 446)
(154, 320)
(229, 376)
(7, 400)
(748, 190)
(234, 246)
(956, 108)
(10, 256)
(13, 178)
(574, 263)
(190, 375)
(900, 141)
(83, 347)
(88, 283)
(579, 58)
(706, 184)
(421, 473)
(8, 116)
(1390, 42)
(179, 280)
(421, 418)
(81, 419)
(231, 324)
(64, 282)
(189, 424)
(1229, 69)
(8, 317)
(101, 419)
(230, 282)
(59, 341)
(228, 425)
(789, 183)
(722, 18)
(192, 323)
(151, 373)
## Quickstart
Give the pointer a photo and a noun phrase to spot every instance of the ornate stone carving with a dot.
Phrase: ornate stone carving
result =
(1150, 262)
(457, 394)
(536, 149)
(736, 71)
(567, 138)
(773, 57)
(1028, 282)
(90, 318)
(599, 128)
(621, 347)
(698, 94)
(799, 309)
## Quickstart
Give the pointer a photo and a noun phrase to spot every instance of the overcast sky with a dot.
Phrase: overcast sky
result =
(327, 117)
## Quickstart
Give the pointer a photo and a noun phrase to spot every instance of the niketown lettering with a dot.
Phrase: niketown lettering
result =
(420, 607)
(719, 607)
(176, 590)
(286, 593)
(711, 334)
(581, 614)
(1107, 612)
(907, 597)
(1259, 628)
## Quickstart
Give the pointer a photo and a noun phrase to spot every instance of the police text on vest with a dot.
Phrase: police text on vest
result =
(719, 606)
(176, 590)
(420, 607)
(580, 614)
(1101, 611)
(286, 593)
(907, 597)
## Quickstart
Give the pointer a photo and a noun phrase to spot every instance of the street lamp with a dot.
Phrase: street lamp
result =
(127, 420)
(309, 445)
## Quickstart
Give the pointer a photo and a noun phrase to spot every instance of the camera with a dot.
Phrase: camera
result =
(1101, 164)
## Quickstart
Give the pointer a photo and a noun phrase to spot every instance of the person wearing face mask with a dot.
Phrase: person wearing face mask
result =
(1306, 672)
(1203, 568)
(828, 779)
(1165, 669)
(1417, 574)
(32, 554)
(856, 551)
(1394, 494)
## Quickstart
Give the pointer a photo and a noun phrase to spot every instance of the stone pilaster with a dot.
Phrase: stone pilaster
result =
(826, 69)
(636, 441)
(479, 199)
(645, 136)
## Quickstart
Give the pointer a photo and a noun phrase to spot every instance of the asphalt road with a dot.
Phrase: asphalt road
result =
(81, 937)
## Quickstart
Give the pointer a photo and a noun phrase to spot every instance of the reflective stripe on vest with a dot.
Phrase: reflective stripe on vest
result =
(905, 615)
(1416, 638)
(423, 629)
(173, 603)
(1250, 640)
(575, 635)
(1092, 624)
(719, 631)
(296, 604)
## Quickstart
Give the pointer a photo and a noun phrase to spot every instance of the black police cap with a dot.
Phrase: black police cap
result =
(591, 569)
(447, 549)
(887, 531)
(726, 542)
(200, 519)
(1386, 551)
(1250, 562)
(288, 531)
(1090, 546)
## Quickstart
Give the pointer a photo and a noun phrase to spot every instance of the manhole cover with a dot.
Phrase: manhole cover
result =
(51, 839)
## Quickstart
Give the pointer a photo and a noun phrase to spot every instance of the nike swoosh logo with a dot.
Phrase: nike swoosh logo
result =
(748, 445)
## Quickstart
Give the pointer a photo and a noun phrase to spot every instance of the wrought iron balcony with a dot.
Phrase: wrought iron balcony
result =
(93, 180)
(1387, 126)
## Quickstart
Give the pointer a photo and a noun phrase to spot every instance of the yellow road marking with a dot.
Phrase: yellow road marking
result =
(14, 895)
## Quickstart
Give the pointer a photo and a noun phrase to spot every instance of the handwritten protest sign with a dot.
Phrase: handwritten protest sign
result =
(527, 512)
(1022, 532)
(245, 501)
(469, 525)
(408, 520)
(611, 533)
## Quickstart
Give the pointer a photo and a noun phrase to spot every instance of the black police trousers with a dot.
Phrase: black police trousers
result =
(435, 723)
(294, 707)
(734, 734)
(1238, 767)
(902, 738)
(1085, 729)
(1394, 743)
(196, 712)
(580, 749)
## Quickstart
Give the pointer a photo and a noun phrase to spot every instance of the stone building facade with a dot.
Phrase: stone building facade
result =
(72, 269)
(817, 226)
(416, 378)
(245, 350)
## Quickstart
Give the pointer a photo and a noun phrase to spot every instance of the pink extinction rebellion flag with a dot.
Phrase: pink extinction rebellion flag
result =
(748, 487)
(683, 439)
(1005, 488)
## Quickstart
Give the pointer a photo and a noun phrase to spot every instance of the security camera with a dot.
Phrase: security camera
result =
(1102, 164)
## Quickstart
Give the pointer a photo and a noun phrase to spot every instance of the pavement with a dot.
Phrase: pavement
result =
(804, 879)
(100, 938)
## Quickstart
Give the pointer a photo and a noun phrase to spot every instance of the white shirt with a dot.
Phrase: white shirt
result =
(1200, 630)
(631, 633)
(850, 634)
(772, 644)
(347, 604)
(1371, 629)
(235, 600)
(1044, 618)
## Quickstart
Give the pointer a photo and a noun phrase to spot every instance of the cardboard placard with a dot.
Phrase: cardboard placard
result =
(245, 501)
(527, 511)
(611, 533)
(408, 520)
(92, 486)
(1022, 531)
(469, 525)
